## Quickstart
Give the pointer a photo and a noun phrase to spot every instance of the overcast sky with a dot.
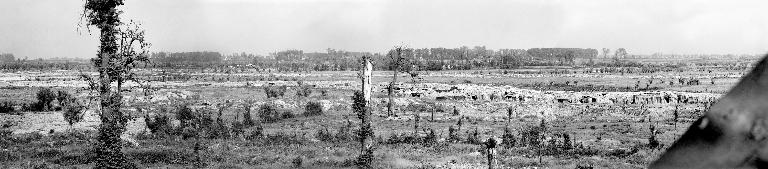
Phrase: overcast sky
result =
(48, 28)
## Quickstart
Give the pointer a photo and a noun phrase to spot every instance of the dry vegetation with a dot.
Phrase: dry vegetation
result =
(305, 120)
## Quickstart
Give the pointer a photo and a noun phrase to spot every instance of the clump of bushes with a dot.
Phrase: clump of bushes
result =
(256, 133)
(275, 91)
(508, 138)
(269, 114)
(193, 124)
(409, 138)
(343, 134)
(303, 90)
(45, 96)
(281, 138)
(287, 115)
(473, 137)
(7, 107)
(313, 109)
(6, 138)
(73, 110)
(238, 129)
(159, 125)
(419, 107)
(532, 136)
(324, 135)
(297, 162)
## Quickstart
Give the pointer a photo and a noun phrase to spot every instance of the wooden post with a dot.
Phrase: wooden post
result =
(416, 124)
(490, 147)
(433, 112)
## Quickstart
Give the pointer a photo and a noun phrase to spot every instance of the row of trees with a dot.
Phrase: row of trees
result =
(7, 57)
(462, 58)
(169, 59)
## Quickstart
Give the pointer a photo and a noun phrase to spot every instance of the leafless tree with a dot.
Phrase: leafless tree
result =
(397, 60)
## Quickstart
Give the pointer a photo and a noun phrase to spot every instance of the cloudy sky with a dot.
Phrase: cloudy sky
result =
(48, 28)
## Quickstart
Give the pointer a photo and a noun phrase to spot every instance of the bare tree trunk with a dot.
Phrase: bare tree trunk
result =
(366, 120)
(433, 113)
(416, 124)
(391, 92)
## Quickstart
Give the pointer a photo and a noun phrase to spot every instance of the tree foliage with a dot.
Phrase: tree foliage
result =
(73, 109)
(122, 47)
(365, 131)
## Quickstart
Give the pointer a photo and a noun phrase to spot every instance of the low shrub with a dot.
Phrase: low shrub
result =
(217, 130)
(416, 107)
(365, 160)
(8, 156)
(303, 90)
(344, 133)
(6, 138)
(621, 153)
(275, 91)
(531, 135)
(268, 113)
(286, 115)
(73, 110)
(238, 129)
(453, 134)
(69, 159)
(159, 125)
(508, 139)
(410, 138)
(283, 139)
(163, 156)
(473, 137)
(256, 133)
(63, 96)
(47, 153)
(75, 136)
(324, 135)
(45, 96)
(313, 109)
(430, 139)
(194, 124)
(6, 107)
(297, 162)
(185, 114)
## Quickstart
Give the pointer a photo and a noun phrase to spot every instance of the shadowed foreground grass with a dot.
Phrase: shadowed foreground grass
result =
(74, 150)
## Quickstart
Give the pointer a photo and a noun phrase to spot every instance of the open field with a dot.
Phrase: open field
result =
(607, 117)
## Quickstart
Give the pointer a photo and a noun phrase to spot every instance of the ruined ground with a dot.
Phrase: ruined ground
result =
(612, 128)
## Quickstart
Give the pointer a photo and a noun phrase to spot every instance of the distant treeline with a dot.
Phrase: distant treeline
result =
(423, 59)
(8, 62)
(463, 58)
(186, 59)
